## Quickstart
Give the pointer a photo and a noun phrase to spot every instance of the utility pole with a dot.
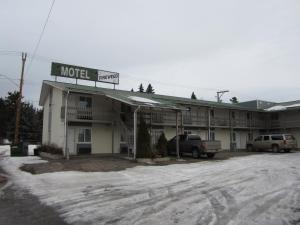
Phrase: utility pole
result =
(220, 94)
(18, 105)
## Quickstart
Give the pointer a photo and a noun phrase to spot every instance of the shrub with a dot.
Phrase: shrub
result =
(143, 141)
(162, 145)
(52, 149)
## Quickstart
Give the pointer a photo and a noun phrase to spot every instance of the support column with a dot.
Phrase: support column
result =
(135, 131)
(181, 130)
(231, 131)
(208, 112)
(67, 155)
(177, 137)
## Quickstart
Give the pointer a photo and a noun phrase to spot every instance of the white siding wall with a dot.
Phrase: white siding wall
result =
(45, 121)
(57, 125)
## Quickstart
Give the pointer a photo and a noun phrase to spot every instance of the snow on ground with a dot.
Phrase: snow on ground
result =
(258, 189)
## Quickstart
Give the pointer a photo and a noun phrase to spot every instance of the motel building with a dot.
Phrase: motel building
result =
(92, 120)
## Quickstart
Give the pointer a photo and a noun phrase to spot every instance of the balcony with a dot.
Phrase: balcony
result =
(86, 114)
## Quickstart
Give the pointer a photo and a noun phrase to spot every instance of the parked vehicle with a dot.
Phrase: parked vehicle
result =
(192, 144)
(275, 142)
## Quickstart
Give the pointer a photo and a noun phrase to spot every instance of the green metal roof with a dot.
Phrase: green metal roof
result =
(139, 99)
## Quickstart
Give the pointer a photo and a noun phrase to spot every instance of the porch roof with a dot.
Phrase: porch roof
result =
(137, 98)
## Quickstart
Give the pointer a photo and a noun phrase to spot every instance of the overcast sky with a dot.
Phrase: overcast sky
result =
(249, 47)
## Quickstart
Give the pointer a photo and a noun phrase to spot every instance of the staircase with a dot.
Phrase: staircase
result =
(127, 137)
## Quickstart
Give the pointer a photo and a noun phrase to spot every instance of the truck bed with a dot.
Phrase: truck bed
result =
(211, 146)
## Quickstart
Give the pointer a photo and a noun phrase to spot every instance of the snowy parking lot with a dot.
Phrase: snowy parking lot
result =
(258, 189)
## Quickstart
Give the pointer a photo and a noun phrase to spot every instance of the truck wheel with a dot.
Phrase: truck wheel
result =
(195, 153)
(275, 148)
(210, 155)
(250, 148)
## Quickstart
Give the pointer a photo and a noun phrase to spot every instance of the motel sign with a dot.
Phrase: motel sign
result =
(83, 73)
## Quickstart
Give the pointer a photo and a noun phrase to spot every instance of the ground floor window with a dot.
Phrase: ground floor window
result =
(234, 136)
(155, 136)
(84, 135)
(212, 136)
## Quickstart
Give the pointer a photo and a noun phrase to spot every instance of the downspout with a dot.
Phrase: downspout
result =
(135, 131)
(66, 150)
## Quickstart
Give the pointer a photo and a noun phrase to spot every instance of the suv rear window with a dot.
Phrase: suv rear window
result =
(289, 137)
(277, 137)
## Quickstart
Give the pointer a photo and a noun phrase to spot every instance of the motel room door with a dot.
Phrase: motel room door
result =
(241, 139)
(71, 141)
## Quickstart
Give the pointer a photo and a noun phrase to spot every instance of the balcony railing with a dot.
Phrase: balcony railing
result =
(86, 114)
(285, 123)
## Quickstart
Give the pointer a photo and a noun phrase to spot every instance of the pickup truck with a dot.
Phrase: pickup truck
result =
(192, 144)
(275, 142)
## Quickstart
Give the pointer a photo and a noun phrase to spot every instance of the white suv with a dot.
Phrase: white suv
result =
(275, 142)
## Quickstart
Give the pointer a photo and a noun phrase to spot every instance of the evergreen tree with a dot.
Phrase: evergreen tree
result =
(143, 140)
(162, 145)
(150, 89)
(193, 96)
(31, 121)
(141, 88)
(234, 100)
(132, 90)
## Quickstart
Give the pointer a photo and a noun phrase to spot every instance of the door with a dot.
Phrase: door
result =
(71, 141)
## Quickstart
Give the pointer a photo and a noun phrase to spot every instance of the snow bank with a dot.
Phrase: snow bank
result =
(4, 150)
(31, 149)
(261, 189)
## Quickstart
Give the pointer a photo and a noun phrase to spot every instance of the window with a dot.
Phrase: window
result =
(258, 139)
(212, 113)
(248, 116)
(277, 137)
(274, 116)
(85, 102)
(289, 137)
(266, 138)
(84, 135)
(194, 137)
(233, 115)
(182, 137)
(233, 136)
(212, 136)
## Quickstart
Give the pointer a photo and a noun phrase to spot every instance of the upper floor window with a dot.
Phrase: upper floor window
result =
(85, 102)
(212, 113)
(274, 116)
(249, 115)
(233, 115)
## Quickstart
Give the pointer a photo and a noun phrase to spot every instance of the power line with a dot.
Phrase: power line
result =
(41, 35)
(9, 79)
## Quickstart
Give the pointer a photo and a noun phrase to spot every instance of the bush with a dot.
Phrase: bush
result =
(162, 145)
(143, 141)
(52, 149)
